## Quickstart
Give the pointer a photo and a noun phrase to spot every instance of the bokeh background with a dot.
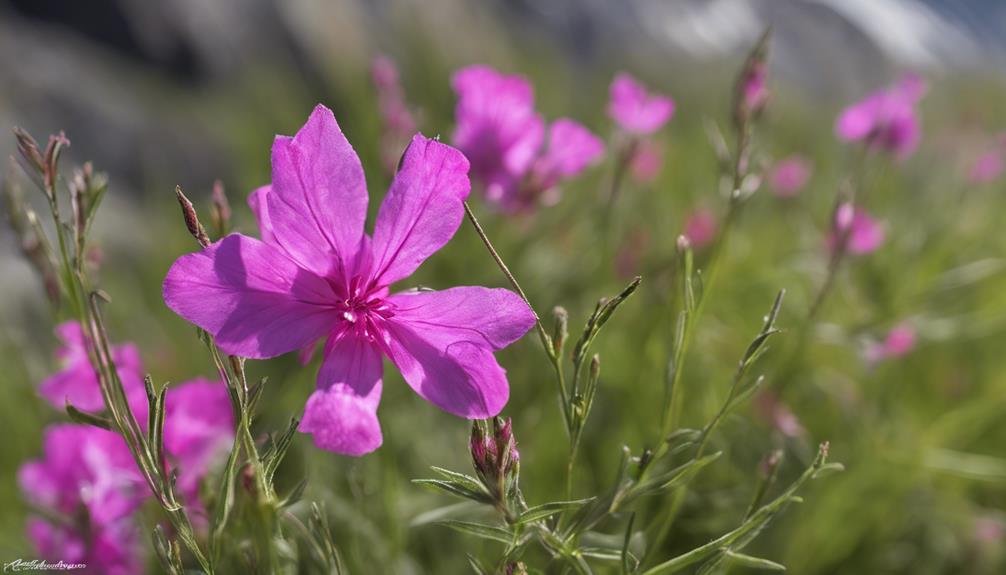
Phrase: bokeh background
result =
(185, 92)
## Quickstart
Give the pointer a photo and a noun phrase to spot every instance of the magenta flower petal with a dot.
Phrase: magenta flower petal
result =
(571, 148)
(789, 176)
(253, 299)
(342, 413)
(497, 129)
(259, 206)
(318, 202)
(342, 422)
(636, 110)
(886, 119)
(422, 211)
(77, 382)
(198, 430)
(442, 341)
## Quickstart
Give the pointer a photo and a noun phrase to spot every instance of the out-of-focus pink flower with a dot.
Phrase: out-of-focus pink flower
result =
(862, 233)
(899, 342)
(319, 276)
(198, 430)
(789, 176)
(987, 167)
(989, 529)
(774, 412)
(754, 87)
(646, 160)
(77, 382)
(701, 227)
(398, 125)
(636, 111)
(887, 119)
(88, 477)
(504, 138)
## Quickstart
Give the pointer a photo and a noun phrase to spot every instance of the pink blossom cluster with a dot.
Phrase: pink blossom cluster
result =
(639, 114)
(87, 476)
(886, 120)
(518, 159)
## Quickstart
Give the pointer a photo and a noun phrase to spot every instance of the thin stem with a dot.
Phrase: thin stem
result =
(546, 341)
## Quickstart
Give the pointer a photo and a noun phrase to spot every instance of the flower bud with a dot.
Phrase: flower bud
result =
(561, 330)
(751, 93)
(191, 218)
(220, 211)
(495, 456)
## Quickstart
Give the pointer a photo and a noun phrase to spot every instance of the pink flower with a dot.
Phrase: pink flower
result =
(198, 418)
(634, 109)
(701, 227)
(754, 87)
(645, 161)
(777, 414)
(789, 176)
(198, 431)
(987, 167)
(77, 382)
(87, 476)
(398, 124)
(503, 137)
(317, 275)
(863, 234)
(900, 341)
(886, 119)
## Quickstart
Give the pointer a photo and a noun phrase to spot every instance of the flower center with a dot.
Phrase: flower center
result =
(363, 310)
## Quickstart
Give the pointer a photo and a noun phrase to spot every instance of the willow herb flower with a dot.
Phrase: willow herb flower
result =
(646, 161)
(514, 155)
(701, 228)
(989, 166)
(862, 233)
(898, 342)
(88, 479)
(788, 176)
(886, 120)
(316, 275)
(77, 382)
(636, 111)
(198, 431)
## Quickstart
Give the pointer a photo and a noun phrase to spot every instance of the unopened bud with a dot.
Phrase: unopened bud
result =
(844, 215)
(561, 330)
(53, 150)
(683, 244)
(751, 93)
(191, 218)
(28, 148)
(220, 211)
(495, 456)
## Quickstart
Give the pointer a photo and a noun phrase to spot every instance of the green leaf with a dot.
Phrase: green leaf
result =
(476, 566)
(86, 418)
(295, 495)
(459, 478)
(753, 562)
(277, 449)
(481, 530)
(675, 477)
(602, 553)
(455, 488)
(547, 509)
